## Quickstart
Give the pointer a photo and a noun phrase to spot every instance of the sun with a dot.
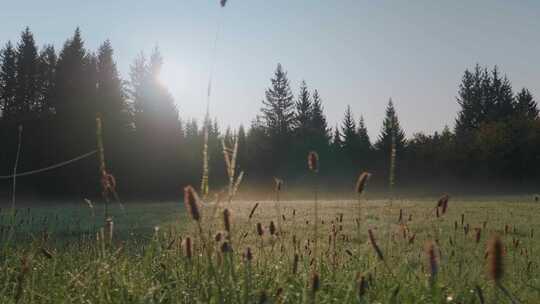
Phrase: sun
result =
(173, 76)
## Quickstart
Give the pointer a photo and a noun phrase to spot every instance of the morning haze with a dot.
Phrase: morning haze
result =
(241, 151)
(354, 52)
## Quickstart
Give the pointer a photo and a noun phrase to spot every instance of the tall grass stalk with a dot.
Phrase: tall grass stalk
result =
(204, 180)
(313, 165)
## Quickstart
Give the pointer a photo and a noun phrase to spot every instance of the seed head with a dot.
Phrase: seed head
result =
(227, 220)
(361, 182)
(478, 235)
(495, 259)
(362, 285)
(443, 203)
(188, 247)
(226, 247)
(248, 255)
(191, 200)
(272, 228)
(313, 161)
(260, 230)
(431, 255)
(296, 259)
(375, 246)
(253, 210)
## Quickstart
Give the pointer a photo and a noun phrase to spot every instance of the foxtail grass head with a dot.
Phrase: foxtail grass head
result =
(248, 255)
(191, 200)
(376, 247)
(313, 161)
(432, 260)
(260, 230)
(272, 228)
(361, 182)
(188, 247)
(227, 220)
(253, 210)
(443, 203)
(495, 267)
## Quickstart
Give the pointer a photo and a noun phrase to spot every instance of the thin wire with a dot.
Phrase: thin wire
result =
(15, 168)
(206, 122)
(213, 62)
(58, 165)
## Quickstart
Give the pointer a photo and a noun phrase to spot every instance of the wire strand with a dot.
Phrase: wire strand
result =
(55, 166)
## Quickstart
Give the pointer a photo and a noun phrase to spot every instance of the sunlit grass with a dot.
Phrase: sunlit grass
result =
(151, 266)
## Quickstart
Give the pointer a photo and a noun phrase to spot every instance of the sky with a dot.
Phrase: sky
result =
(354, 52)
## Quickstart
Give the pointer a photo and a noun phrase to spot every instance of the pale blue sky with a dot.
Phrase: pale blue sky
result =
(354, 52)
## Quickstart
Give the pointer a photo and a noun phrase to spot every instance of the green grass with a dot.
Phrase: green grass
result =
(68, 221)
(143, 265)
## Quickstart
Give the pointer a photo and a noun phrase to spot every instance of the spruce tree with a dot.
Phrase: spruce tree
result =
(348, 130)
(27, 91)
(471, 100)
(71, 101)
(391, 131)
(46, 74)
(8, 82)
(525, 106)
(303, 113)
(364, 143)
(154, 106)
(278, 116)
(337, 144)
(278, 107)
(500, 101)
(319, 125)
(111, 94)
(242, 148)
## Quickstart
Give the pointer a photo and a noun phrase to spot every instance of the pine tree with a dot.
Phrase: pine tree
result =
(8, 82)
(391, 131)
(525, 106)
(27, 91)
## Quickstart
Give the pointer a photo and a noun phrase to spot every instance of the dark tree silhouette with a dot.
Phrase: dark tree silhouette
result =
(27, 89)
(8, 82)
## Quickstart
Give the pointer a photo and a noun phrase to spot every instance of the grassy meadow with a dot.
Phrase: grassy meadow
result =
(273, 253)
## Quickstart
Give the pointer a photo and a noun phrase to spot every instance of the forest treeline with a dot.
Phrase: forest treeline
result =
(56, 95)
